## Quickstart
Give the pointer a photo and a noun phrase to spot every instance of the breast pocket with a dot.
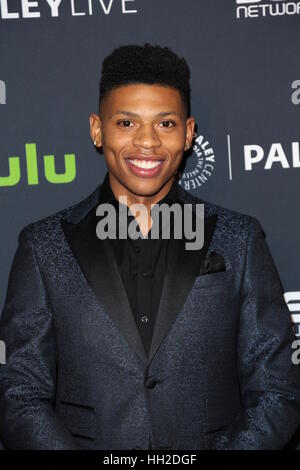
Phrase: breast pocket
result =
(214, 281)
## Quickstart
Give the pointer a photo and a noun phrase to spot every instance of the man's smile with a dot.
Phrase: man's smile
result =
(144, 167)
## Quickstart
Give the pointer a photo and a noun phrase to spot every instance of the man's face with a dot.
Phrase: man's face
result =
(140, 123)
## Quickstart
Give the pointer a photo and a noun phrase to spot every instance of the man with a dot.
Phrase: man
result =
(140, 343)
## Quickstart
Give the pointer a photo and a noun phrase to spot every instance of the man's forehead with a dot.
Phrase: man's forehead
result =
(155, 92)
(138, 99)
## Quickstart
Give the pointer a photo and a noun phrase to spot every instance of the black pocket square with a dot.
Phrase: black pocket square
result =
(213, 263)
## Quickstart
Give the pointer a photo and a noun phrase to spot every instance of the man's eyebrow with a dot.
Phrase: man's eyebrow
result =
(131, 114)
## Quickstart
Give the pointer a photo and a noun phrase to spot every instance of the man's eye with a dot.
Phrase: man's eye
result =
(125, 123)
(168, 124)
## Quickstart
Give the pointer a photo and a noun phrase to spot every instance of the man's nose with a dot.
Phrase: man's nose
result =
(146, 137)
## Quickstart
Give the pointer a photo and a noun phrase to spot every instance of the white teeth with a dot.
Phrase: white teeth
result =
(145, 164)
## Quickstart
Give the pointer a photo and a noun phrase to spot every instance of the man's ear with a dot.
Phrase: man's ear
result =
(96, 129)
(190, 128)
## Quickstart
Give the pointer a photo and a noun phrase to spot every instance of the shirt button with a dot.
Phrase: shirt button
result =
(145, 274)
(144, 319)
(150, 382)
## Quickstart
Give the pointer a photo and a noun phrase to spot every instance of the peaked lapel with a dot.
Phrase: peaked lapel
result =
(97, 262)
(98, 265)
(183, 267)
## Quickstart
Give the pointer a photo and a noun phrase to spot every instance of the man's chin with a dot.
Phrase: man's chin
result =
(145, 190)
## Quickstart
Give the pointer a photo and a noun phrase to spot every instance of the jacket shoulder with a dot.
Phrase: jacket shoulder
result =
(48, 225)
(229, 222)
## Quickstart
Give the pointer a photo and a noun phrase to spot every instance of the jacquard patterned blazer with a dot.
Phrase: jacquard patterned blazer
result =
(218, 375)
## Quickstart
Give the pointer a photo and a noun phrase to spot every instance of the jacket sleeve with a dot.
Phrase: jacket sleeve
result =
(28, 378)
(269, 381)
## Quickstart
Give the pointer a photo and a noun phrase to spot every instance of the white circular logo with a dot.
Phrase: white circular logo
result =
(199, 166)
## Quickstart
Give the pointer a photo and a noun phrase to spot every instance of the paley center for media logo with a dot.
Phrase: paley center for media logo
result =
(273, 155)
(32, 8)
(200, 165)
(276, 154)
(261, 8)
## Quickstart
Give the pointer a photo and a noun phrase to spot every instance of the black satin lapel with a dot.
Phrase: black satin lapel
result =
(182, 269)
(97, 262)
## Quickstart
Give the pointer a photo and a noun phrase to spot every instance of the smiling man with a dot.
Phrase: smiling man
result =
(137, 342)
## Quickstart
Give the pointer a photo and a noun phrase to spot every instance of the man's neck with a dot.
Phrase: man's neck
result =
(145, 222)
(119, 190)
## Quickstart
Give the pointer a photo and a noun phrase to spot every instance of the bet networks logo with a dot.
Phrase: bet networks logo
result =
(31, 8)
(260, 8)
(200, 165)
(2, 92)
(32, 170)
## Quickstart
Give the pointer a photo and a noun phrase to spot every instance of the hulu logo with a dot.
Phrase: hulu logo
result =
(32, 169)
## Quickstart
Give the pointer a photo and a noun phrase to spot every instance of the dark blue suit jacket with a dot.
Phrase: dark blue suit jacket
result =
(219, 373)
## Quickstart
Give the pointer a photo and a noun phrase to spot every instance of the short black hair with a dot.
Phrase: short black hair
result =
(148, 64)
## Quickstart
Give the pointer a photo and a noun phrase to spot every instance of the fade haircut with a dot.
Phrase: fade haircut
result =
(147, 64)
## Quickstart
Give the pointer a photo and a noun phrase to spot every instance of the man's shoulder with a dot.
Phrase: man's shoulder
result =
(49, 225)
(225, 216)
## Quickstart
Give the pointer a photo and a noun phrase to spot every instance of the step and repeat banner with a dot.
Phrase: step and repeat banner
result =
(244, 59)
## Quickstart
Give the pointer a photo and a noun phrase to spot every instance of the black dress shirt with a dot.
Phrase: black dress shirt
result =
(142, 264)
